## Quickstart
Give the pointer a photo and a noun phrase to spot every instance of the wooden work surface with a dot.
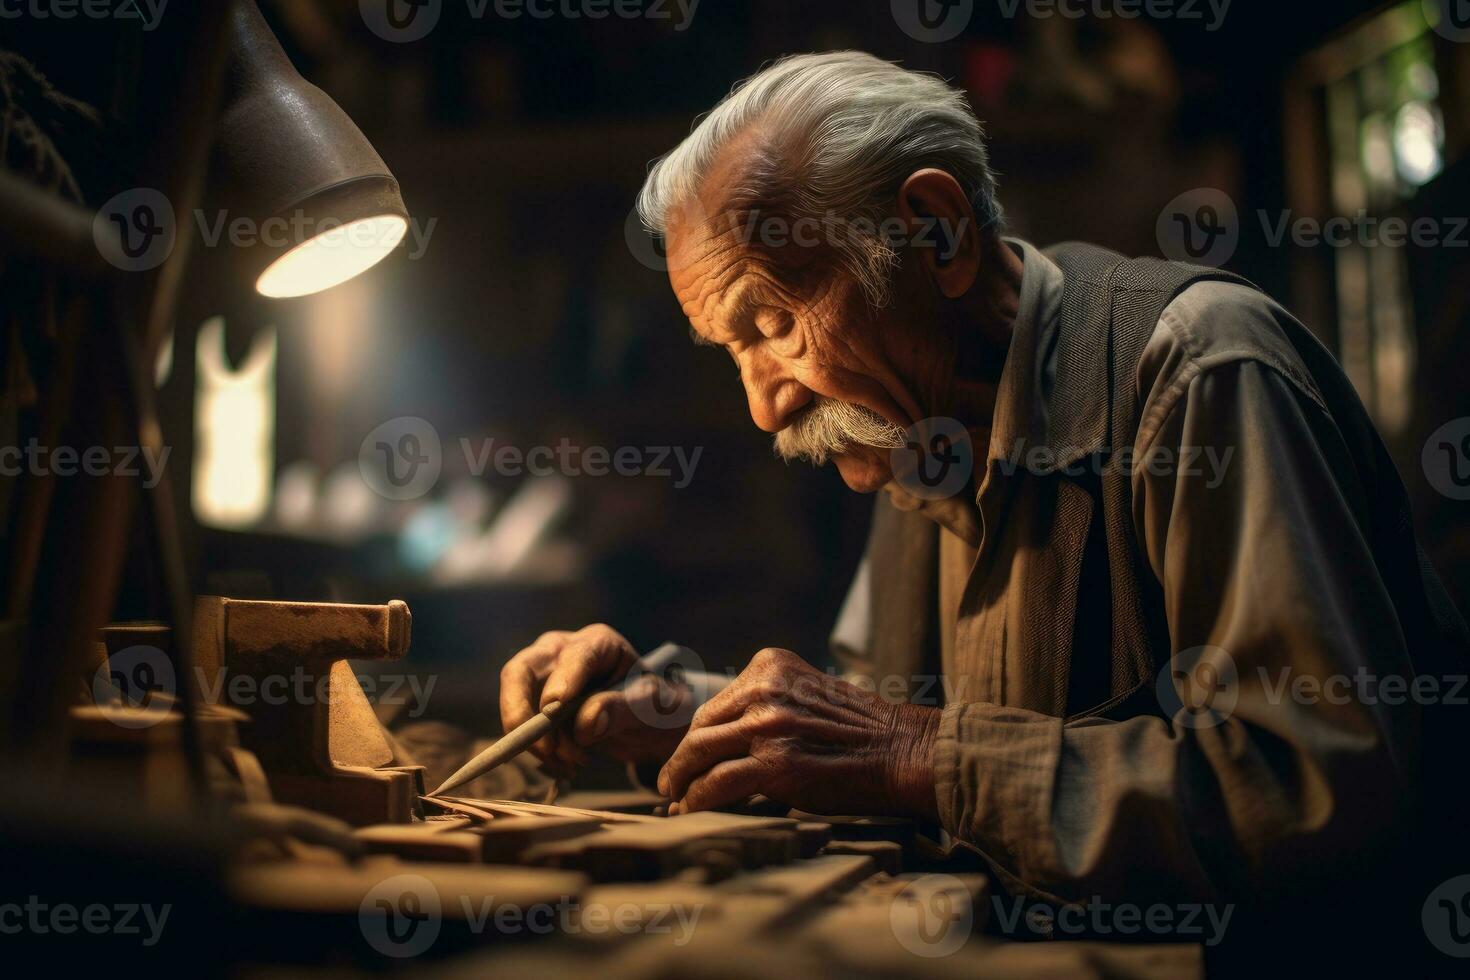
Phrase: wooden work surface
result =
(510, 888)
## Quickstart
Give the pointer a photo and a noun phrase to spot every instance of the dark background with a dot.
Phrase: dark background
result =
(529, 317)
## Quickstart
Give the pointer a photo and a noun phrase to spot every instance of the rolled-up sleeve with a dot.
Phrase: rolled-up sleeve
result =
(1256, 535)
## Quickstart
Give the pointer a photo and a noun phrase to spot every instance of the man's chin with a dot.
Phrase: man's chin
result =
(863, 474)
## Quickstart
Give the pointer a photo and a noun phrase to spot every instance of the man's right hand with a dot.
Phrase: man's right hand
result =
(641, 723)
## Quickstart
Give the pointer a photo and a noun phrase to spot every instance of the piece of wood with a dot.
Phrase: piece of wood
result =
(887, 856)
(507, 839)
(320, 744)
(812, 837)
(422, 842)
(637, 801)
(650, 850)
(518, 808)
(479, 814)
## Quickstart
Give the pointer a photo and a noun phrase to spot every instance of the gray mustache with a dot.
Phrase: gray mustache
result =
(832, 427)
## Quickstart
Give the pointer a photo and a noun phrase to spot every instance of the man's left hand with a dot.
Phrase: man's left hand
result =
(806, 739)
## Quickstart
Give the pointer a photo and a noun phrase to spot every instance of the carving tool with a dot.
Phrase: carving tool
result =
(529, 732)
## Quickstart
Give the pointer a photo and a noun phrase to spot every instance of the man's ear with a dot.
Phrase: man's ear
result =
(942, 229)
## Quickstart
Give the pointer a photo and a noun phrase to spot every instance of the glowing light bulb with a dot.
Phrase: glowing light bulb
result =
(332, 257)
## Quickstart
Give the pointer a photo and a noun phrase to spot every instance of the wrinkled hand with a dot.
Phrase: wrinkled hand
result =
(805, 739)
(640, 723)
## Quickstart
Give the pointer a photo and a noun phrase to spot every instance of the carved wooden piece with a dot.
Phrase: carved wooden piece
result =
(316, 734)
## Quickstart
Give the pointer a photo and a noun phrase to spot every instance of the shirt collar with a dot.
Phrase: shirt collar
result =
(1039, 367)
(1044, 366)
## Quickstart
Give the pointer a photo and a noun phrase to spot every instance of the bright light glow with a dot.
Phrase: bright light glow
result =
(332, 257)
(234, 429)
(1417, 137)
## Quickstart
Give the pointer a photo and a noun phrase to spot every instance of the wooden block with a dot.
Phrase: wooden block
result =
(421, 842)
(812, 837)
(652, 850)
(897, 829)
(506, 839)
(887, 856)
(620, 801)
(518, 808)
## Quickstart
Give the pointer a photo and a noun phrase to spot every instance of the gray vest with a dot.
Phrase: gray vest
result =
(1096, 614)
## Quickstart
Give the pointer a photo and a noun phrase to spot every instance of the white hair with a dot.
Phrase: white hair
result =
(839, 133)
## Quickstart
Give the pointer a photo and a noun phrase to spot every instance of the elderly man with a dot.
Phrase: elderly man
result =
(1158, 600)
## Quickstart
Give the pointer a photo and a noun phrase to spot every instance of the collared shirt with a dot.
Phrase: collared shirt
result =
(1248, 514)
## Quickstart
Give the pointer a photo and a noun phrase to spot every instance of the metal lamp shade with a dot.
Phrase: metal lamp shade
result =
(320, 205)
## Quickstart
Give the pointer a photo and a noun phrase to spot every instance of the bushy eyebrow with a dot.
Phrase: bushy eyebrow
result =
(700, 339)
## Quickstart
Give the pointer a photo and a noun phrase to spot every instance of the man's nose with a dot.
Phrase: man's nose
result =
(774, 394)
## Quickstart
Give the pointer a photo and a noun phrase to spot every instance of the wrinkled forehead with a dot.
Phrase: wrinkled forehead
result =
(735, 249)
